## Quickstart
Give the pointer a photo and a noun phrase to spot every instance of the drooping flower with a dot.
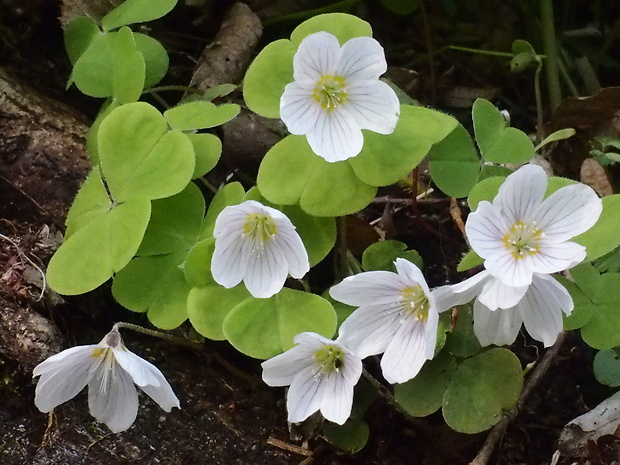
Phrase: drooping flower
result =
(259, 246)
(337, 93)
(500, 310)
(397, 316)
(110, 371)
(521, 233)
(321, 374)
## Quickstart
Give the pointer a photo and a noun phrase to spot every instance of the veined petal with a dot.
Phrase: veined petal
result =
(305, 395)
(411, 273)
(499, 327)
(230, 259)
(142, 372)
(522, 193)
(510, 270)
(112, 398)
(63, 376)
(554, 257)
(298, 108)
(486, 229)
(371, 287)
(317, 56)
(569, 212)
(293, 248)
(267, 271)
(337, 398)
(336, 136)
(495, 294)
(362, 58)
(374, 105)
(162, 393)
(542, 307)
(405, 355)
(370, 328)
(282, 369)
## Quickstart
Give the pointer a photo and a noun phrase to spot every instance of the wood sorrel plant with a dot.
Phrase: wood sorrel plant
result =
(140, 219)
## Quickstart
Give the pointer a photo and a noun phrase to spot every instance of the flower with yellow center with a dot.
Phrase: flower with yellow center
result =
(321, 374)
(259, 246)
(337, 93)
(110, 371)
(397, 316)
(522, 233)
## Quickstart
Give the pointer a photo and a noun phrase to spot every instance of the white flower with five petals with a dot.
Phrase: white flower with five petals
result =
(521, 233)
(321, 374)
(337, 93)
(259, 246)
(110, 371)
(397, 316)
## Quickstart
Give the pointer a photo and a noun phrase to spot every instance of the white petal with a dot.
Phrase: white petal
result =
(336, 136)
(230, 259)
(486, 228)
(471, 287)
(510, 270)
(298, 108)
(554, 257)
(293, 248)
(495, 294)
(411, 273)
(371, 328)
(267, 271)
(304, 396)
(374, 105)
(568, 212)
(162, 393)
(499, 327)
(282, 369)
(541, 309)
(317, 56)
(405, 355)
(376, 287)
(142, 372)
(112, 398)
(362, 58)
(522, 193)
(337, 398)
(63, 376)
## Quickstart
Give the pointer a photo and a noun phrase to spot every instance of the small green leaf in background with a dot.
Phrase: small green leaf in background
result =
(603, 237)
(317, 233)
(200, 115)
(207, 149)
(197, 266)
(264, 328)
(497, 142)
(78, 36)
(155, 58)
(140, 157)
(381, 256)
(423, 395)
(319, 187)
(209, 306)
(454, 164)
(486, 189)
(524, 56)
(470, 260)
(556, 136)
(136, 11)
(350, 437)
(461, 341)
(129, 68)
(93, 71)
(231, 194)
(155, 284)
(607, 368)
(481, 390)
(344, 26)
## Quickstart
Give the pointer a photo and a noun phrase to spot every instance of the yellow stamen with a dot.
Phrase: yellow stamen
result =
(523, 240)
(330, 92)
(329, 359)
(415, 302)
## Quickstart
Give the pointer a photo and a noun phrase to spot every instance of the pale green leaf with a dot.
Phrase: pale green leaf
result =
(207, 150)
(129, 68)
(342, 25)
(200, 115)
(136, 11)
(78, 35)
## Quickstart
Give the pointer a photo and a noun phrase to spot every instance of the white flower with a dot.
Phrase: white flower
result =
(397, 316)
(520, 234)
(497, 319)
(110, 371)
(321, 373)
(337, 93)
(259, 245)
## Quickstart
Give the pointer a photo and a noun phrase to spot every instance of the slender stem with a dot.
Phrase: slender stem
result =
(159, 334)
(551, 50)
(342, 267)
(539, 107)
(209, 186)
(154, 90)
(387, 395)
(568, 82)
(338, 6)
(479, 51)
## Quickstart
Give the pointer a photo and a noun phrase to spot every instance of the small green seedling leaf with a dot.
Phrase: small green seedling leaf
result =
(606, 368)
(264, 328)
(556, 136)
(319, 187)
(155, 285)
(423, 395)
(499, 143)
(209, 306)
(200, 115)
(481, 390)
(350, 437)
(140, 157)
(454, 164)
(381, 255)
(136, 11)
